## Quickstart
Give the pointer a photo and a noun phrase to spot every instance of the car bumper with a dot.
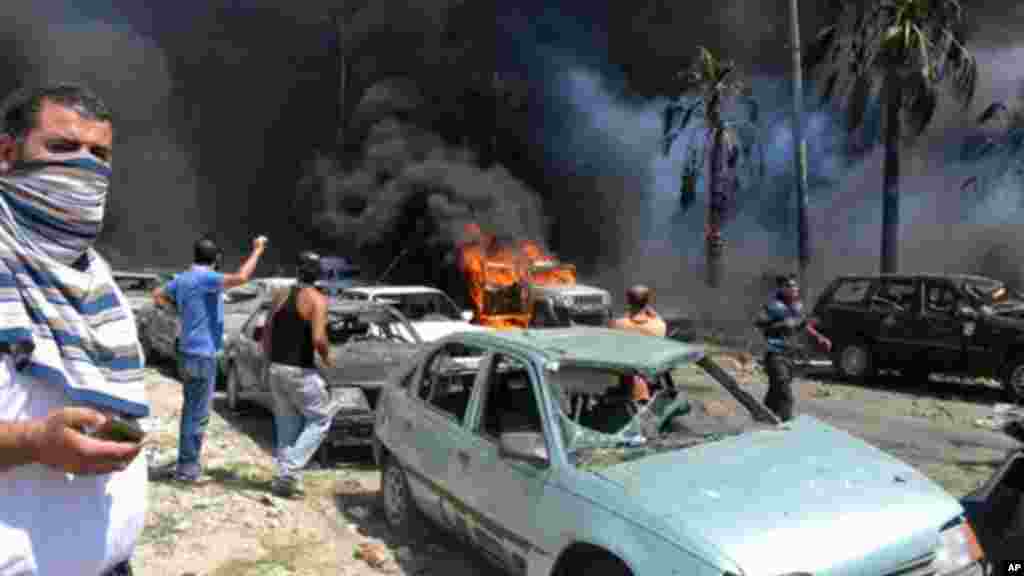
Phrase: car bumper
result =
(351, 430)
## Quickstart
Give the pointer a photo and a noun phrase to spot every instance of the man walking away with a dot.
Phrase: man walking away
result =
(198, 295)
(640, 317)
(296, 330)
(70, 360)
(780, 320)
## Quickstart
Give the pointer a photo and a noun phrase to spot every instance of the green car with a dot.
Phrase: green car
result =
(591, 451)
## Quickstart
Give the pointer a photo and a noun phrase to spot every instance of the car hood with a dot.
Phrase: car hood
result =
(431, 330)
(801, 497)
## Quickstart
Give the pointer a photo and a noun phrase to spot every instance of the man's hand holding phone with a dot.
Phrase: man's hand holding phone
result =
(80, 440)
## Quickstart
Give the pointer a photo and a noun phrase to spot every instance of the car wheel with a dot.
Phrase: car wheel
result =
(1013, 384)
(596, 562)
(399, 507)
(853, 361)
(232, 387)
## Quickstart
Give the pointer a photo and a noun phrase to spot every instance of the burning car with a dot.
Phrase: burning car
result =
(518, 285)
(527, 444)
(368, 340)
(925, 323)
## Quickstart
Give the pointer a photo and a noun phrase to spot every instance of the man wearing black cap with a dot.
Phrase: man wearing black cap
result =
(295, 333)
(198, 296)
(781, 320)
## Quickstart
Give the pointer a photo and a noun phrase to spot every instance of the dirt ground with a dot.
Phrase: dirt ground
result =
(229, 524)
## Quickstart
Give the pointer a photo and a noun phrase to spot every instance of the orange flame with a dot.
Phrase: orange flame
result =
(485, 262)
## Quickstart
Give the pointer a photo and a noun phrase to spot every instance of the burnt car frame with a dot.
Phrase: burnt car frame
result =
(920, 324)
(368, 340)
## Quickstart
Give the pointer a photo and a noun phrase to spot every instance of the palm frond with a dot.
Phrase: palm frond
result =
(857, 103)
(991, 111)
(921, 99)
(820, 47)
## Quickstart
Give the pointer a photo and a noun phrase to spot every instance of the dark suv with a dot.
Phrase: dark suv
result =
(921, 324)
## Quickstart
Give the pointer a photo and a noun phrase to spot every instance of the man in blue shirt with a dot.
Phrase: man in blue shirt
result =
(198, 296)
(781, 320)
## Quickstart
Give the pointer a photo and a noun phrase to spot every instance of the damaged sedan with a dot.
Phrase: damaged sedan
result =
(528, 445)
(368, 340)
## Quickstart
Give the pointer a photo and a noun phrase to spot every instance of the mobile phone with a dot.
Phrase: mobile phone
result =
(119, 429)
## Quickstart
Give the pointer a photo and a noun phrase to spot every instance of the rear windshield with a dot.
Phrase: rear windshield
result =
(851, 291)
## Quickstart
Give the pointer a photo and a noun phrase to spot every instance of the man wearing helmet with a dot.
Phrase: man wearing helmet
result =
(295, 332)
(198, 296)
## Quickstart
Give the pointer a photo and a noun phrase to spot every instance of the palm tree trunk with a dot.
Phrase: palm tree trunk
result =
(891, 176)
(716, 196)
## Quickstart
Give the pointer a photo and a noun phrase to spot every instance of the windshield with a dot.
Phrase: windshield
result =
(424, 306)
(553, 273)
(603, 423)
(371, 325)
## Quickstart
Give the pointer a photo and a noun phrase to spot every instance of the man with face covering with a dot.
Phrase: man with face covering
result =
(780, 321)
(70, 360)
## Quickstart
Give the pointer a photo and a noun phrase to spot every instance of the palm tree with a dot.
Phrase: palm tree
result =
(1005, 146)
(724, 143)
(895, 53)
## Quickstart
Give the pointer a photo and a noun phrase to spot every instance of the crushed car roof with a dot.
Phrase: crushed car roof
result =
(935, 275)
(594, 347)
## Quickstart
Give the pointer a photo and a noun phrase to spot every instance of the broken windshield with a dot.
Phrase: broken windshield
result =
(604, 418)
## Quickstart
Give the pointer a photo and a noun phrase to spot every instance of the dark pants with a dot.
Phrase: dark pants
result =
(199, 376)
(122, 569)
(779, 398)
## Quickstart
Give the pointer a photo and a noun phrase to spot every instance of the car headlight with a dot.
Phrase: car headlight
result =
(564, 300)
(958, 551)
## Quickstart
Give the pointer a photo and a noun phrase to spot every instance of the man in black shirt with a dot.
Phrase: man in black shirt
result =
(296, 331)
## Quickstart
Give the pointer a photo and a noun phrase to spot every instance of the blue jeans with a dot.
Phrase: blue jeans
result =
(199, 375)
(302, 416)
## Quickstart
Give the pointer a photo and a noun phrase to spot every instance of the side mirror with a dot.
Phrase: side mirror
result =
(526, 446)
(467, 315)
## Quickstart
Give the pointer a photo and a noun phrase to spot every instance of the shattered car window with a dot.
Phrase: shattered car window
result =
(988, 292)
(851, 292)
(425, 306)
(343, 328)
(601, 424)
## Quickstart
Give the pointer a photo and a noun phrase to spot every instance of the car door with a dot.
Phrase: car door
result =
(164, 328)
(502, 495)
(249, 358)
(439, 399)
(942, 335)
(895, 305)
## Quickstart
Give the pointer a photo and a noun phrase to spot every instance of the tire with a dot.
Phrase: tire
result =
(854, 361)
(232, 388)
(594, 562)
(1013, 382)
(396, 501)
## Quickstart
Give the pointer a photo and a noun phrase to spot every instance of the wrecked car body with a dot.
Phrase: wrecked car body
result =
(925, 323)
(366, 344)
(528, 445)
(996, 510)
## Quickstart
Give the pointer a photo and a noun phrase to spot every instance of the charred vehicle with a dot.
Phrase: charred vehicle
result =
(527, 444)
(922, 324)
(518, 285)
(368, 341)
